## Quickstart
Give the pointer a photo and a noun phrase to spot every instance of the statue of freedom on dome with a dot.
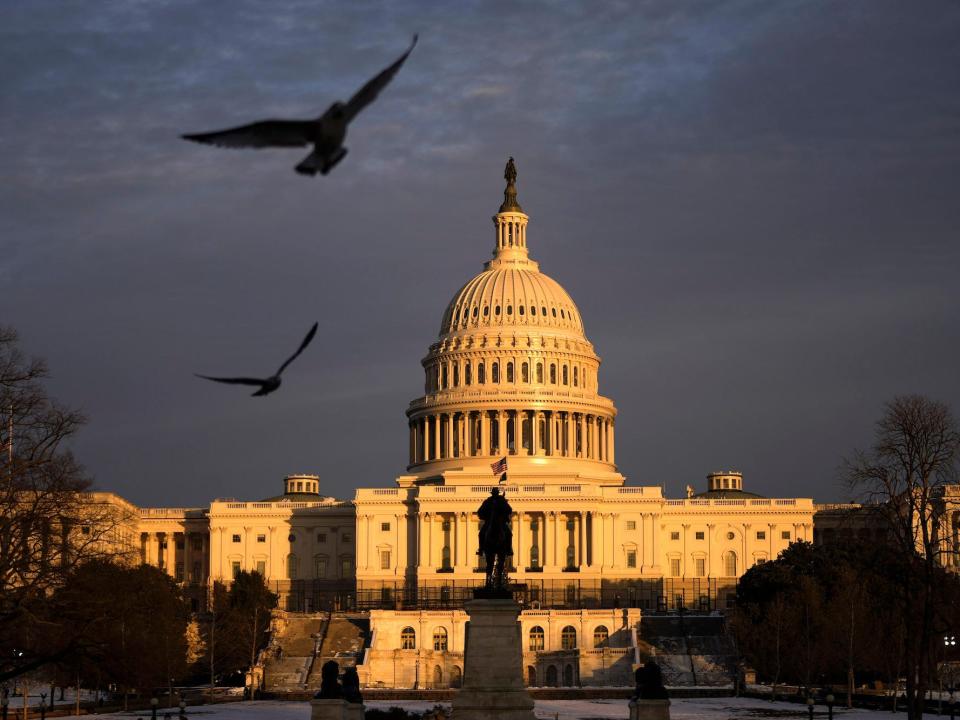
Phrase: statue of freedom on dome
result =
(510, 172)
(496, 538)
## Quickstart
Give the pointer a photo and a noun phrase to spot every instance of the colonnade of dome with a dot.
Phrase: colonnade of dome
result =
(512, 372)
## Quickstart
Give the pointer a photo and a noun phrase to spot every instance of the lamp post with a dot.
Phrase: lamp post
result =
(810, 707)
(153, 708)
(949, 641)
(183, 708)
(830, 700)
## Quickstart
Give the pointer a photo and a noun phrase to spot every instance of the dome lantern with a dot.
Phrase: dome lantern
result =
(510, 222)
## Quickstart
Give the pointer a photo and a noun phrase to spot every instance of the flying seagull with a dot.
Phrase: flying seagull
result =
(325, 133)
(266, 385)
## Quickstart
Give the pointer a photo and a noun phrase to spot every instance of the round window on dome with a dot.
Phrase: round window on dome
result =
(533, 309)
(475, 311)
(486, 310)
(520, 309)
(554, 312)
(561, 313)
(509, 309)
(543, 311)
(497, 311)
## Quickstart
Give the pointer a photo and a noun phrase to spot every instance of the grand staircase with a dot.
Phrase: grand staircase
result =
(344, 641)
(692, 651)
(293, 652)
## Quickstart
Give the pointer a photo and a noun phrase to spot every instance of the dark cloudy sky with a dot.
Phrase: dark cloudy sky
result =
(755, 205)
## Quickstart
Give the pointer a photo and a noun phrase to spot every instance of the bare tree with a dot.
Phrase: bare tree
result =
(913, 457)
(49, 521)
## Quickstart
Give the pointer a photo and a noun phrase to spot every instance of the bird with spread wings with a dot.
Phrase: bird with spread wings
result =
(266, 385)
(325, 133)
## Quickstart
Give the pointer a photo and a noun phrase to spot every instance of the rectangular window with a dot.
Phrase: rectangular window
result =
(261, 538)
(178, 573)
(346, 567)
(785, 535)
(197, 573)
(385, 527)
(85, 530)
(320, 567)
(631, 524)
(698, 535)
(236, 538)
(345, 538)
(198, 544)
(262, 568)
(631, 558)
(321, 537)
(235, 568)
(675, 535)
(675, 567)
(761, 534)
(384, 559)
(701, 564)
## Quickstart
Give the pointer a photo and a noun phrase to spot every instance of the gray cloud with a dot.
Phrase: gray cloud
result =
(753, 204)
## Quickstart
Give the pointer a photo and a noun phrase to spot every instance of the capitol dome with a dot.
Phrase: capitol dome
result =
(512, 372)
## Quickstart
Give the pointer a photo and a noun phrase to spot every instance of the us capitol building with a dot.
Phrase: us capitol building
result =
(512, 373)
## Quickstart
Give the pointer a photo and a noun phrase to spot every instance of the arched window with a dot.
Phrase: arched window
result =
(456, 676)
(568, 675)
(536, 638)
(531, 676)
(553, 374)
(481, 373)
(437, 676)
(509, 372)
(408, 639)
(456, 376)
(443, 377)
(495, 372)
(600, 636)
(467, 373)
(440, 638)
(566, 377)
(292, 567)
(568, 638)
(525, 372)
(540, 373)
(730, 564)
(576, 376)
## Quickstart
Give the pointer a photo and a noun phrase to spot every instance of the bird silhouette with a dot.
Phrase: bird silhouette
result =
(326, 133)
(266, 385)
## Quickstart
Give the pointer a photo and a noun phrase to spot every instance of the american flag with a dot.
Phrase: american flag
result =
(500, 466)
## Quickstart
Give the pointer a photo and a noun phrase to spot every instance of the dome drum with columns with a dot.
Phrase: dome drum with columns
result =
(512, 372)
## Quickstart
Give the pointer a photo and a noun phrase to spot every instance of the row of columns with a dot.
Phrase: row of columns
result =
(564, 540)
(511, 432)
(160, 550)
(511, 233)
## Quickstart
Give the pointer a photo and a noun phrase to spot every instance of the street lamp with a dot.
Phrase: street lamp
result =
(183, 708)
(830, 700)
(810, 707)
(153, 708)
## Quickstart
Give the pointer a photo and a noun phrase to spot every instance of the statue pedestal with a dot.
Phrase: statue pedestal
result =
(649, 710)
(493, 674)
(323, 709)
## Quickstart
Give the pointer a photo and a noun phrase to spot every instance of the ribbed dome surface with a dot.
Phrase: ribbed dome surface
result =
(509, 297)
